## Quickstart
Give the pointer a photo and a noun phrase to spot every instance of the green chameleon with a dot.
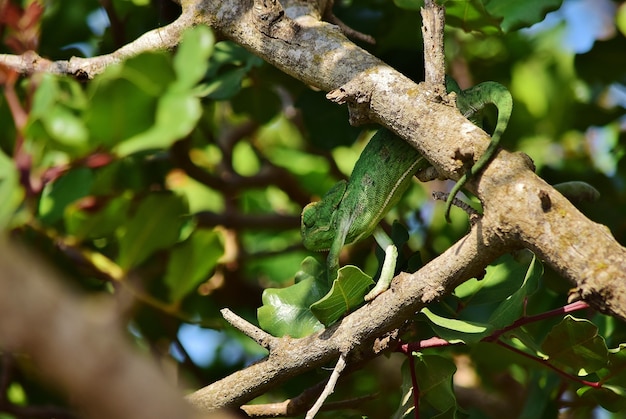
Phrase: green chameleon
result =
(351, 211)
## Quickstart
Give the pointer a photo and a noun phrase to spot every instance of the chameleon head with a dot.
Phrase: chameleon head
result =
(318, 219)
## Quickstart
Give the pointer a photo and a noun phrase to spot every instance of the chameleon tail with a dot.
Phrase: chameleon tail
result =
(474, 100)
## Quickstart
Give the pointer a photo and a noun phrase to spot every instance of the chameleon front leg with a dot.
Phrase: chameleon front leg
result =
(389, 264)
(470, 102)
(332, 261)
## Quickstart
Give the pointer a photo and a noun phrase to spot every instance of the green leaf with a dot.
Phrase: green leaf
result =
(620, 19)
(513, 307)
(54, 90)
(66, 128)
(516, 14)
(490, 16)
(225, 85)
(615, 373)
(45, 96)
(57, 195)
(285, 311)
(228, 54)
(575, 344)
(409, 4)
(611, 397)
(407, 406)
(471, 15)
(124, 99)
(119, 110)
(155, 225)
(345, 295)
(454, 330)
(538, 402)
(245, 160)
(11, 194)
(502, 278)
(500, 292)
(191, 261)
(97, 224)
(434, 378)
(57, 103)
(435, 388)
(191, 59)
(152, 72)
(176, 116)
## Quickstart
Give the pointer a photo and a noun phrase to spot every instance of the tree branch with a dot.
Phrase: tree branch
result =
(360, 329)
(76, 343)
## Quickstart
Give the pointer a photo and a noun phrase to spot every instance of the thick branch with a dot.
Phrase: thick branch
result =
(77, 344)
(582, 251)
(408, 294)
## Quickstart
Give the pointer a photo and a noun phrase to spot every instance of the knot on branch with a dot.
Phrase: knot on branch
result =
(270, 20)
(357, 98)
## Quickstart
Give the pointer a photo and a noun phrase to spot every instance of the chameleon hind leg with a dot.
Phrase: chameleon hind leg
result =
(389, 264)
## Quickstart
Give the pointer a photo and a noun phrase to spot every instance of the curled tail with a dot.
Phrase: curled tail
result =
(469, 103)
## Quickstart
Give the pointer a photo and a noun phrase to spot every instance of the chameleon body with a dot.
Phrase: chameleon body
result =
(351, 211)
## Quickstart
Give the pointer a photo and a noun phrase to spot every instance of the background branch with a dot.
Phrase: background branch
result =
(74, 340)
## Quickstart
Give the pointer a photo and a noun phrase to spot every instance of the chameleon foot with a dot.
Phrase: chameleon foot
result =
(386, 273)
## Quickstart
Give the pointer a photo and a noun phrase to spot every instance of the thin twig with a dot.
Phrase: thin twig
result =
(330, 387)
(546, 363)
(471, 212)
(259, 336)
(415, 388)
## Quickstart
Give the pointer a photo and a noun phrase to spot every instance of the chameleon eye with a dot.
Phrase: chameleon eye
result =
(309, 215)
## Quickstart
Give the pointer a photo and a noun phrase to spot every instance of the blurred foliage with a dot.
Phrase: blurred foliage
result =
(180, 176)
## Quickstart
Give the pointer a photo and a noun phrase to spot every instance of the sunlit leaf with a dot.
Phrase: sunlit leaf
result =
(454, 330)
(490, 16)
(286, 312)
(610, 397)
(502, 278)
(191, 59)
(245, 160)
(119, 110)
(11, 194)
(407, 405)
(177, 114)
(515, 14)
(66, 128)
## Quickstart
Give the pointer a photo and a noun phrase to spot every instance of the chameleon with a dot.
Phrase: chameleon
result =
(351, 211)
